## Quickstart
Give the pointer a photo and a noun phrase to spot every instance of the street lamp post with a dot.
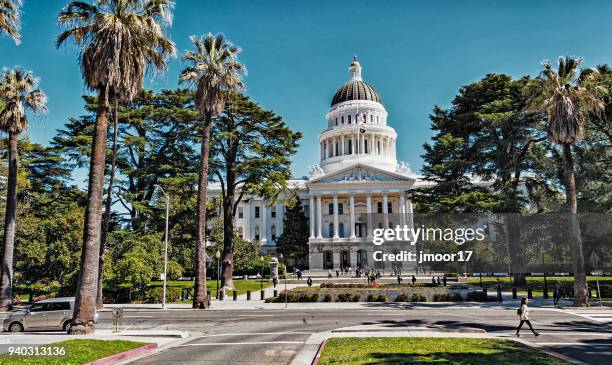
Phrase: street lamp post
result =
(261, 258)
(218, 256)
(165, 247)
(285, 274)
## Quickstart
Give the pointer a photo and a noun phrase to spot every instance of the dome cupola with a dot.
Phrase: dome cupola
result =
(355, 88)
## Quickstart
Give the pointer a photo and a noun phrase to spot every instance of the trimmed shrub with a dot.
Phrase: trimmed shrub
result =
(456, 298)
(441, 297)
(478, 296)
(403, 297)
(356, 297)
(377, 298)
(154, 295)
(344, 297)
(327, 298)
(416, 297)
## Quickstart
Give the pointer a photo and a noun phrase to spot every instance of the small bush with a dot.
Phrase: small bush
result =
(403, 297)
(344, 297)
(377, 298)
(441, 297)
(478, 296)
(356, 297)
(154, 295)
(456, 298)
(416, 297)
(327, 298)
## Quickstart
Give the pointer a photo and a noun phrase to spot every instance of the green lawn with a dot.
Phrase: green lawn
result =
(77, 352)
(414, 350)
(241, 285)
(537, 283)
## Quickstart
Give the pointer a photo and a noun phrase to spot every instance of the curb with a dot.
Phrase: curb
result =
(425, 329)
(122, 356)
(317, 357)
(552, 353)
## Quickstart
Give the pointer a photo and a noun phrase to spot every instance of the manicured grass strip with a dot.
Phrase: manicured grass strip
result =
(411, 350)
(77, 352)
(241, 285)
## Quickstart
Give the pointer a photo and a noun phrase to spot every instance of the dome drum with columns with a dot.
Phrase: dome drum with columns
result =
(357, 185)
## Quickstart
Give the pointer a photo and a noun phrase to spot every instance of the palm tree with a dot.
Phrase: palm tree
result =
(569, 99)
(18, 91)
(9, 18)
(213, 72)
(119, 40)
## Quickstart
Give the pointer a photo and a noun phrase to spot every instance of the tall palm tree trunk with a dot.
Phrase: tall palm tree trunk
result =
(6, 288)
(107, 209)
(199, 296)
(228, 237)
(581, 297)
(85, 302)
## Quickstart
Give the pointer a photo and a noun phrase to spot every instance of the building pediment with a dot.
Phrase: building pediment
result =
(360, 174)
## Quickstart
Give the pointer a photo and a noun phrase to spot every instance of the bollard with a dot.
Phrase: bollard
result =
(263, 295)
(235, 294)
(248, 295)
(484, 293)
(545, 293)
(184, 294)
(221, 294)
(275, 293)
(514, 296)
(529, 293)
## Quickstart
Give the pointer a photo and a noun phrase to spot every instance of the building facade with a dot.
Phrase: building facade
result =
(358, 184)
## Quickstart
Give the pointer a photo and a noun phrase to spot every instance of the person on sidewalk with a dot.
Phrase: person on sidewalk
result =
(556, 295)
(329, 274)
(444, 280)
(523, 313)
(439, 281)
(309, 281)
(413, 280)
(499, 291)
(433, 280)
(274, 281)
(399, 280)
(337, 274)
(299, 274)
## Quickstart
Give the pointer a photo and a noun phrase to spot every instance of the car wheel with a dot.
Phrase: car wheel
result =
(15, 327)
(67, 325)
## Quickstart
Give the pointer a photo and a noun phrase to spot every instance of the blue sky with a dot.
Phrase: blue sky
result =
(415, 53)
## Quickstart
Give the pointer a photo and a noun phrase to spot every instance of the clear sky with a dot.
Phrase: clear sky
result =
(415, 53)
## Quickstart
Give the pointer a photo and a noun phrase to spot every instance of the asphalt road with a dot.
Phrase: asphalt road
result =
(276, 336)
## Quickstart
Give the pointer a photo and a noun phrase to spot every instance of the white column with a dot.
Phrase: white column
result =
(385, 210)
(369, 214)
(311, 217)
(402, 211)
(410, 212)
(247, 219)
(342, 145)
(280, 214)
(319, 218)
(334, 154)
(361, 143)
(352, 221)
(264, 224)
(336, 216)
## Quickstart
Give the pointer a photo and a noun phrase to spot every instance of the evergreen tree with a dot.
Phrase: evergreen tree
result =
(293, 242)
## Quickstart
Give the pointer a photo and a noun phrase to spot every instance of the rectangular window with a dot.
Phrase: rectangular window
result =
(390, 207)
(365, 146)
(240, 212)
(379, 207)
(342, 119)
(350, 147)
(256, 212)
(273, 212)
(336, 121)
(256, 237)
(331, 208)
(340, 208)
(349, 119)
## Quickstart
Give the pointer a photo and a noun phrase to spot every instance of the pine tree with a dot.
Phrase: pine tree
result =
(293, 242)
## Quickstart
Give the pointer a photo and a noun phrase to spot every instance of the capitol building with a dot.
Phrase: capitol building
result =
(358, 184)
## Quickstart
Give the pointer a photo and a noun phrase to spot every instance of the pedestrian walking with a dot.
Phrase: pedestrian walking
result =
(433, 280)
(499, 291)
(556, 295)
(299, 274)
(275, 281)
(439, 281)
(444, 280)
(309, 281)
(413, 280)
(329, 274)
(337, 274)
(399, 280)
(523, 313)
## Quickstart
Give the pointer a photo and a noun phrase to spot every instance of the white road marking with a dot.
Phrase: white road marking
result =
(259, 333)
(243, 343)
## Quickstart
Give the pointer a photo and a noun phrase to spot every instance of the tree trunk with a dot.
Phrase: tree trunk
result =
(581, 297)
(6, 288)
(199, 295)
(85, 302)
(107, 209)
(227, 281)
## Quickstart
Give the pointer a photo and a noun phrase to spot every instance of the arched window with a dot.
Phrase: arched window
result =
(273, 231)
(372, 118)
(341, 229)
(256, 233)
(331, 230)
